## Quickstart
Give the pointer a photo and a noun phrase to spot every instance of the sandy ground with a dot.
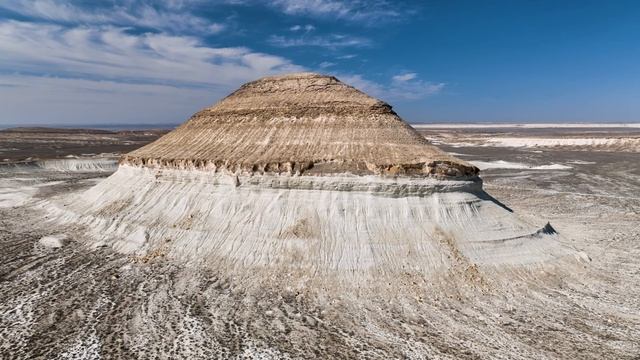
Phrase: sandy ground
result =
(26, 144)
(62, 299)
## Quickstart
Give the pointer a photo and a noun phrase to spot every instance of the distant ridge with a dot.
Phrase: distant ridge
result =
(107, 127)
(48, 130)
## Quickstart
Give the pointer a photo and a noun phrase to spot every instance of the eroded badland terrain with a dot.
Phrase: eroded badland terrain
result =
(60, 298)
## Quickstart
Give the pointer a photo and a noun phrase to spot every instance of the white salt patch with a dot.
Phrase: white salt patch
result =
(551, 142)
(552, 167)
(50, 183)
(53, 241)
(11, 199)
(581, 162)
(620, 143)
(87, 348)
(501, 164)
(13, 194)
(88, 344)
(461, 144)
(253, 351)
(525, 126)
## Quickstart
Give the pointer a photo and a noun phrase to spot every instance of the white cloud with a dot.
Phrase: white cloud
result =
(113, 53)
(370, 87)
(404, 90)
(84, 62)
(332, 41)
(326, 64)
(415, 90)
(120, 71)
(355, 10)
(306, 28)
(407, 86)
(405, 77)
(167, 15)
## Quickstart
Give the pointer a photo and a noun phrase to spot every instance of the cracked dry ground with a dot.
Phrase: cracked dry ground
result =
(73, 302)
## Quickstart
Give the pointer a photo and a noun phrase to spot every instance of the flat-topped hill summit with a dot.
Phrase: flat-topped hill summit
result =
(301, 123)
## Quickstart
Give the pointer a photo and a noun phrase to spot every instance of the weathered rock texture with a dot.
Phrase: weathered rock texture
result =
(299, 124)
(303, 173)
(322, 267)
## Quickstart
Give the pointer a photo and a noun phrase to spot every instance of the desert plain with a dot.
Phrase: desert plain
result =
(61, 298)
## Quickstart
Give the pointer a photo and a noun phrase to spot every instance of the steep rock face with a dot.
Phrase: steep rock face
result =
(305, 123)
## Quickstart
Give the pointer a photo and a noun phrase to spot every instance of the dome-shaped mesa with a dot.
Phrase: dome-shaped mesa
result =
(303, 124)
(302, 174)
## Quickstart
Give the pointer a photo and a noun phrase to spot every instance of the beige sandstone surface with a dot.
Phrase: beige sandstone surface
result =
(299, 123)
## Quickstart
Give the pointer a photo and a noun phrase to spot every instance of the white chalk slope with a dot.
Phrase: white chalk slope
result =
(96, 164)
(304, 173)
(338, 224)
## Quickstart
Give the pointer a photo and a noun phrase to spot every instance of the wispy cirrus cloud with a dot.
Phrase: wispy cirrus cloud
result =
(367, 11)
(415, 90)
(156, 61)
(305, 28)
(115, 54)
(404, 77)
(172, 15)
(330, 41)
(326, 64)
(399, 88)
(114, 69)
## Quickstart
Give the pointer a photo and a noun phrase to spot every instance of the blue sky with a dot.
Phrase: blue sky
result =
(157, 62)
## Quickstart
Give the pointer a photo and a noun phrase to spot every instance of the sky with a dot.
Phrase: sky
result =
(127, 62)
